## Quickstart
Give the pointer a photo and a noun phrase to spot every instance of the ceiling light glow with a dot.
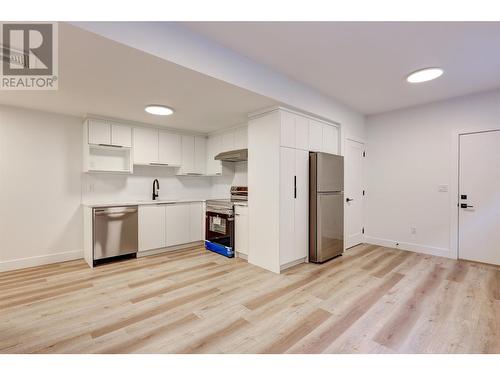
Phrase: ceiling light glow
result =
(424, 75)
(159, 110)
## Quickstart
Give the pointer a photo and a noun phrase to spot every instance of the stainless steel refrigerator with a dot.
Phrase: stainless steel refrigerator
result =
(326, 206)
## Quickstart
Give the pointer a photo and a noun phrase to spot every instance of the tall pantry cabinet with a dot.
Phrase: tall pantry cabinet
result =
(279, 142)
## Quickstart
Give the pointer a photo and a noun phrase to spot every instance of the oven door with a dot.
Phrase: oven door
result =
(219, 228)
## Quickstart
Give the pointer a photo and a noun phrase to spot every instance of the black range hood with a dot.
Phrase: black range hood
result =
(233, 156)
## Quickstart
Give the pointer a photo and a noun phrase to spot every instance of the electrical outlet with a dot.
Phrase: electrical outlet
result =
(413, 230)
(443, 188)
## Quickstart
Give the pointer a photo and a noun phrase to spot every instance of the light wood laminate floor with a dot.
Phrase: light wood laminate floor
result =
(371, 300)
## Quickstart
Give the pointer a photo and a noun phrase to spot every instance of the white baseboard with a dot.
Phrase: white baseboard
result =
(40, 260)
(146, 253)
(293, 263)
(417, 248)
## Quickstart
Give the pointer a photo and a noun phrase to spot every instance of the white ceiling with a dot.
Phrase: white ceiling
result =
(99, 76)
(364, 64)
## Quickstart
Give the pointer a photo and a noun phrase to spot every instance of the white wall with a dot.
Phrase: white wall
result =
(409, 153)
(173, 42)
(40, 188)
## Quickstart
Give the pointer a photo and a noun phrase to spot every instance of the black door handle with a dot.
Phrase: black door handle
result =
(465, 205)
(349, 199)
(295, 187)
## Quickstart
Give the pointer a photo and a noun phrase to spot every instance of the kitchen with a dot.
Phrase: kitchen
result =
(186, 189)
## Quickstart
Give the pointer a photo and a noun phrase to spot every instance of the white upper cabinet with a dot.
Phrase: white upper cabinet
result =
(214, 146)
(107, 134)
(121, 135)
(301, 133)
(241, 138)
(187, 165)
(228, 141)
(169, 148)
(99, 132)
(287, 129)
(294, 131)
(200, 152)
(315, 135)
(330, 139)
(145, 146)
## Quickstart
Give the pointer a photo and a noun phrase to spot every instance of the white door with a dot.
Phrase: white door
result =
(353, 192)
(479, 197)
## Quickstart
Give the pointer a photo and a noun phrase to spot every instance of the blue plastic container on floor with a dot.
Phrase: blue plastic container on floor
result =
(219, 249)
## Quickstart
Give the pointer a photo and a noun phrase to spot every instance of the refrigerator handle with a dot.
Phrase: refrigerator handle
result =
(295, 187)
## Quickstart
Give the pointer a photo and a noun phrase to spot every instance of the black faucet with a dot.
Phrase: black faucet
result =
(156, 185)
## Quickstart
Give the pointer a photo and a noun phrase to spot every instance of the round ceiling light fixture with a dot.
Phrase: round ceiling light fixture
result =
(424, 75)
(159, 110)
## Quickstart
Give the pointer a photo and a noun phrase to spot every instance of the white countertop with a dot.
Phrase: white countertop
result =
(141, 202)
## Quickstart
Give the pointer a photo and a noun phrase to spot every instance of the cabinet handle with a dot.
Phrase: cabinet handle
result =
(295, 187)
(107, 145)
(158, 163)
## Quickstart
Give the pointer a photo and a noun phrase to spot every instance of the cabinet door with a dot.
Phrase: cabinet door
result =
(330, 139)
(214, 145)
(145, 146)
(99, 132)
(241, 138)
(187, 165)
(151, 227)
(287, 202)
(301, 133)
(177, 224)
(315, 135)
(196, 221)
(228, 141)
(241, 230)
(121, 135)
(200, 151)
(169, 148)
(287, 129)
(301, 205)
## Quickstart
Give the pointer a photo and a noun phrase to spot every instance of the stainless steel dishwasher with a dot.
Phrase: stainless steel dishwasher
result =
(114, 232)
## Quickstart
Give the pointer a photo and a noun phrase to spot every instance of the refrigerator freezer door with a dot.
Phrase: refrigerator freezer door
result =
(330, 172)
(330, 226)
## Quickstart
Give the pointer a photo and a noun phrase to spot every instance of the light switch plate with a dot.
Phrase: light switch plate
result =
(443, 188)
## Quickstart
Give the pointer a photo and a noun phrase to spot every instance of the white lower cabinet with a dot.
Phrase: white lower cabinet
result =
(164, 225)
(196, 221)
(177, 223)
(241, 230)
(151, 227)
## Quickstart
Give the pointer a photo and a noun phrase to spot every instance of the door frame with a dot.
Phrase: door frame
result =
(361, 141)
(455, 184)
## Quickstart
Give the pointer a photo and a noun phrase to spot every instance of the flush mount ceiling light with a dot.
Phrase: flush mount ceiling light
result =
(424, 75)
(159, 110)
